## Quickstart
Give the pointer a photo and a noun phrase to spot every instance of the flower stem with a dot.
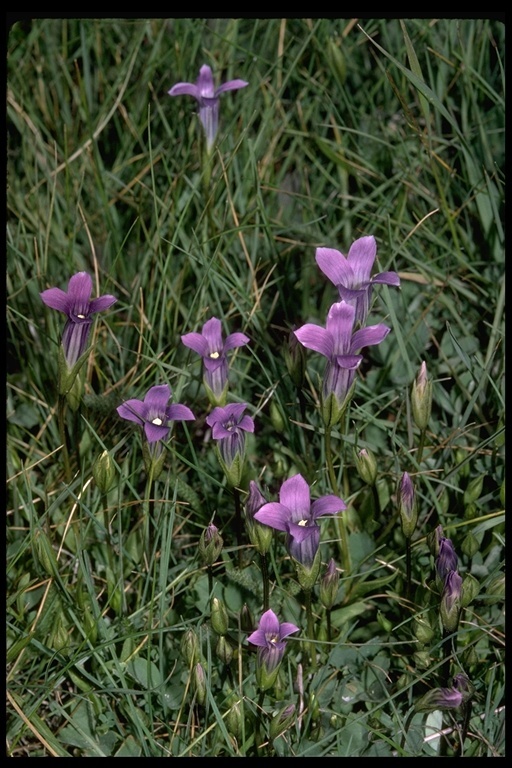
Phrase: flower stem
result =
(311, 627)
(421, 445)
(264, 573)
(238, 524)
(61, 418)
(340, 522)
(408, 568)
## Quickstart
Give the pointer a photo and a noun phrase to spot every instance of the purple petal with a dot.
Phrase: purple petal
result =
(205, 84)
(185, 89)
(287, 628)
(366, 337)
(56, 298)
(154, 432)
(327, 505)
(196, 342)
(247, 424)
(212, 332)
(340, 324)
(133, 410)
(80, 288)
(157, 398)
(235, 411)
(294, 495)
(349, 362)
(361, 257)
(258, 638)
(178, 412)
(269, 623)
(301, 533)
(235, 340)
(316, 338)
(102, 303)
(274, 515)
(230, 85)
(387, 278)
(335, 266)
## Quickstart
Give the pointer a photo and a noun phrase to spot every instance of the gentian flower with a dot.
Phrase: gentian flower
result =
(207, 96)
(439, 698)
(154, 413)
(340, 345)
(446, 560)
(229, 425)
(297, 516)
(351, 274)
(77, 305)
(270, 639)
(213, 349)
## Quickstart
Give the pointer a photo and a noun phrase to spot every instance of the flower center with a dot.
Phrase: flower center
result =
(304, 523)
(157, 421)
(214, 355)
(81, 317)
(272, 639)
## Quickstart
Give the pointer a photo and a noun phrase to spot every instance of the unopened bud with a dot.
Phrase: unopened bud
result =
(407, 505)
(199, 684)
(104, 472)
(329, 584)
(276, 417)
(219, 616)
(282, 721)
(233, 720)
(246, 619)
(439, 698)
(210, 545)
(224, 650)
(470, 545)
(473, 490)
(423, 631)
(434, 539)
(295, 359)
(189, 647)
(421, 398)
(451, 601)
(366, 466)
(470, 589)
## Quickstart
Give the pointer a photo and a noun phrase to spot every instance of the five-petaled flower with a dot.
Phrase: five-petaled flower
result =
(154, 412)
(77, 305)
(297, 516)
(270, 639)
(351, 274)
(340, 344)
(229, 425)
(213, 349)
(207, 96)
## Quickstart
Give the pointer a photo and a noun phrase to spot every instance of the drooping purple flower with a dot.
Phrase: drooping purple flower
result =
(77, 305)
(351, 274)
(207, 96)
(229, 425)
(155, 413)
(297, 516)
(340, 344)
(270, 639)
(213, 349)
(439, 698)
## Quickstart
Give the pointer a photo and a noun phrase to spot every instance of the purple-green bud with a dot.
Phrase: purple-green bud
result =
(407, 505)
(224, 650)
(219, 616)
(199, 684)
(439, 699)
(189, 648)
(451, 601)
(210, 545)
(434, 539)
(259, 534)
(366, 466)
(154, 458)
(421, 398)
(446, 561)
(470, 589)
(329, 584)
(463, 684)
(104, 472)
(246, 619)
(282, 721)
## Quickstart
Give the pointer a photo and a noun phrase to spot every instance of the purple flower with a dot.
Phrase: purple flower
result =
(213, 349)
(439, 698)
(296, 515)
(340, 344)
(351, 274)
(451, 601)
(207, 96)
(154, 413)
(407, 505)
(229, 425)
(79, 308)
(269, 637)
(446, 560)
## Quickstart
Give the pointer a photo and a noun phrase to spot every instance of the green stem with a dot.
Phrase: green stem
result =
(238, 524)
(264, 573)
(61, 419)
(311, 627)
(408, 568)
(421, 446)
(339, 519)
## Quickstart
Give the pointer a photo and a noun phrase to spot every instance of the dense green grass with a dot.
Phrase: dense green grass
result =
(347, 128)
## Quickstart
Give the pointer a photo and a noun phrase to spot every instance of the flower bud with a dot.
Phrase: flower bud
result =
(473, 490)
(246, 619)
(276, 417)
(233, 720)
(439, 698)
(224, 650)
(44, 553)
(470, 545)
(451, 601)
(282, 721)
(446, 561)
(470, 589)
(407, 505)
(307, 575)
(219, 616)
(423, 631)
(199, 684)
(421, 398)
(210, 545)
(259, 534)
(463, 684)
(189, 647)
(104, 472)
(366, 466)
(434, 539)
(295, 359)
(329, 585)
